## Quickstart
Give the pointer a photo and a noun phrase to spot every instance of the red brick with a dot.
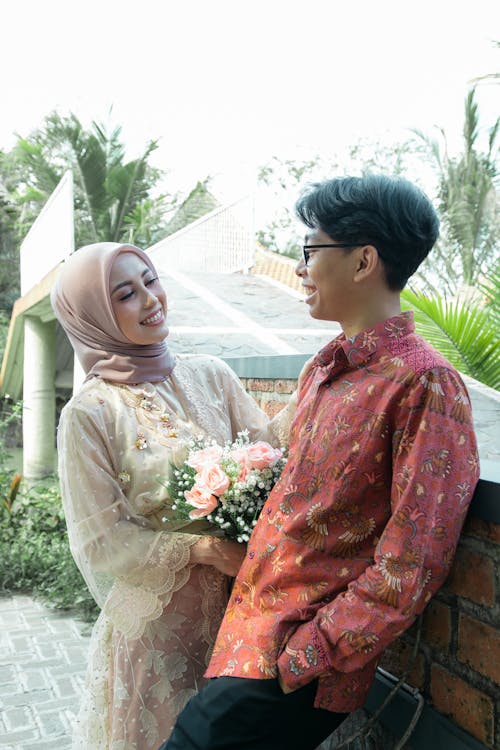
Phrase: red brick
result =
(482, 529)
(465, 705)
(285, 386)
(473, 576)
(272, 407)
(257, 397)
(395, 660)
(479, 647)
(255, 384)
(437, 625)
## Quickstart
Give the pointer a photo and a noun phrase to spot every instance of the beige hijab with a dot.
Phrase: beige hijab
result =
(82, 303)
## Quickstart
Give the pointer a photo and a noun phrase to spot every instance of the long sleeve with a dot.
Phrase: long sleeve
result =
(131, 569)
(214, 398)
(435, 470)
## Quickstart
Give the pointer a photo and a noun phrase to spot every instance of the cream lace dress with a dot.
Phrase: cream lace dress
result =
(160, 614)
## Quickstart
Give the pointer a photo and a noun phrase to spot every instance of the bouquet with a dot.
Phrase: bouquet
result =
(226, 486)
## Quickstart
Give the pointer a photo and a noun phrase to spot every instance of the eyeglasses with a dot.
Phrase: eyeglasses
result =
(307, 248)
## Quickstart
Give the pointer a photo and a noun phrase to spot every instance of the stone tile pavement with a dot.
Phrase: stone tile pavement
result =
(43, 657)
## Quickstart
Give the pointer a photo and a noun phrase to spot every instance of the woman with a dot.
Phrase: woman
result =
(162, 588)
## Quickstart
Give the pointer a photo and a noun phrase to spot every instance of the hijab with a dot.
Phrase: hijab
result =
(82, 303)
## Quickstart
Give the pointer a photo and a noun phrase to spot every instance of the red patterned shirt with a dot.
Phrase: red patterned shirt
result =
(361, 529)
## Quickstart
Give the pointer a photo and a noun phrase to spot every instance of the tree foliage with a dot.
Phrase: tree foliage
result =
(282, 179)
(468, 204)
(490, 287)
(9, 256)
(113, 196)
(465, 332)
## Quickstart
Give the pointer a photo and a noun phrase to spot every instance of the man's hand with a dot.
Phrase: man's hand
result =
(286, 690)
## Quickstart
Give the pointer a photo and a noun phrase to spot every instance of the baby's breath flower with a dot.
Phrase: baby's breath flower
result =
(240, 503)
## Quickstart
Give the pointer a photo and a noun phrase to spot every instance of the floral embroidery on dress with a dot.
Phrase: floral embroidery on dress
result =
(152, 415)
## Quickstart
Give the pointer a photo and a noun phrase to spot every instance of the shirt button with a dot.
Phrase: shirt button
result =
(251, 555)
(238, 599)
(309, 427)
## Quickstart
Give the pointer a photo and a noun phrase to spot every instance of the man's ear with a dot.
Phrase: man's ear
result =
(367, 260)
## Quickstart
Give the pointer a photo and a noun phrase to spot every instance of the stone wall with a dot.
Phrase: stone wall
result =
(457, 668)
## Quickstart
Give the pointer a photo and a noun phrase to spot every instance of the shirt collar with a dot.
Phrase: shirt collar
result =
(372, 341)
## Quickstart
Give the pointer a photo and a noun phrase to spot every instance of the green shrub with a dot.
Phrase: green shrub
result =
(35, 554)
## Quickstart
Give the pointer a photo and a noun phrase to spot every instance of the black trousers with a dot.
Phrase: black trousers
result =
(238, 713)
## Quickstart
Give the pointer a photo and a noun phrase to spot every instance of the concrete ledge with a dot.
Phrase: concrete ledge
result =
(279, 367)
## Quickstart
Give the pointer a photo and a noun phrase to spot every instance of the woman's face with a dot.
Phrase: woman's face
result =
(138, 299)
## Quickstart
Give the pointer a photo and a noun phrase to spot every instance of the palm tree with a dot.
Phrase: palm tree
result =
(489, 77)
(109, 191)
(468, 205)
(465, 331)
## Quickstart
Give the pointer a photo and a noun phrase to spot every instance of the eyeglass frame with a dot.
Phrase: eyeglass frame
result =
(306, 254)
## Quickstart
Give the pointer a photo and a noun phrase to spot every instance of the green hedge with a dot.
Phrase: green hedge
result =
(34, 550)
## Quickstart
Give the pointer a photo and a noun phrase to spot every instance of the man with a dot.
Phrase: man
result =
(361, 529)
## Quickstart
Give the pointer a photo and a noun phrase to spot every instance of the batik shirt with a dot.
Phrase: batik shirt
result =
(361, 529)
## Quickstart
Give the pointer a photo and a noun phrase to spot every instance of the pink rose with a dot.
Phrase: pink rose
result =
(202, 500)
(261, 455)
(240, 456)
(205, 456)
(214, 479)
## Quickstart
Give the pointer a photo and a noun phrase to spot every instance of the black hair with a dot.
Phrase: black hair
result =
(388, 212)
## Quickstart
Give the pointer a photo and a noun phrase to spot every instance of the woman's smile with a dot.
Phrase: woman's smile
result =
(155, 319)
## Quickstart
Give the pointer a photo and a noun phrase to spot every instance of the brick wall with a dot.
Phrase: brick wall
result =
(457, 667)
(271, 395)
(458, 663)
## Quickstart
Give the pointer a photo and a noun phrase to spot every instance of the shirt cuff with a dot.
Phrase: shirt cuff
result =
(303, 658)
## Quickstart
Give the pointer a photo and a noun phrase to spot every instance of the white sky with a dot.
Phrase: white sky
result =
(227, 84)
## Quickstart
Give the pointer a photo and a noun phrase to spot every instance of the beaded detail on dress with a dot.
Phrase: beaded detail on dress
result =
(152, 414)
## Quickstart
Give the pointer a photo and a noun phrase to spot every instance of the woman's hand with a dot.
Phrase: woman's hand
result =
(224, 555)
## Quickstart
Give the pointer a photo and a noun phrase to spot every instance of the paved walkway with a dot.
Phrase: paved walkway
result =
(235, 315)
(43, 656)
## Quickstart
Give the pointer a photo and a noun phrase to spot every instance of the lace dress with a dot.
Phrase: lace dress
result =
(160, 614)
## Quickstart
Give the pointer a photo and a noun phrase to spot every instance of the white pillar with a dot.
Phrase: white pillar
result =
(39, 402)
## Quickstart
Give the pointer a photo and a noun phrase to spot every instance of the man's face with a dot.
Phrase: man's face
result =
(328, 278)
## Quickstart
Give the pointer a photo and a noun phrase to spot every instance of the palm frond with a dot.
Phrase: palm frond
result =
(490, 286)
(129, 185)
(463, 332)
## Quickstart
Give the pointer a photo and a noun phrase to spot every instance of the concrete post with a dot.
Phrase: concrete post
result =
(39, 398)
